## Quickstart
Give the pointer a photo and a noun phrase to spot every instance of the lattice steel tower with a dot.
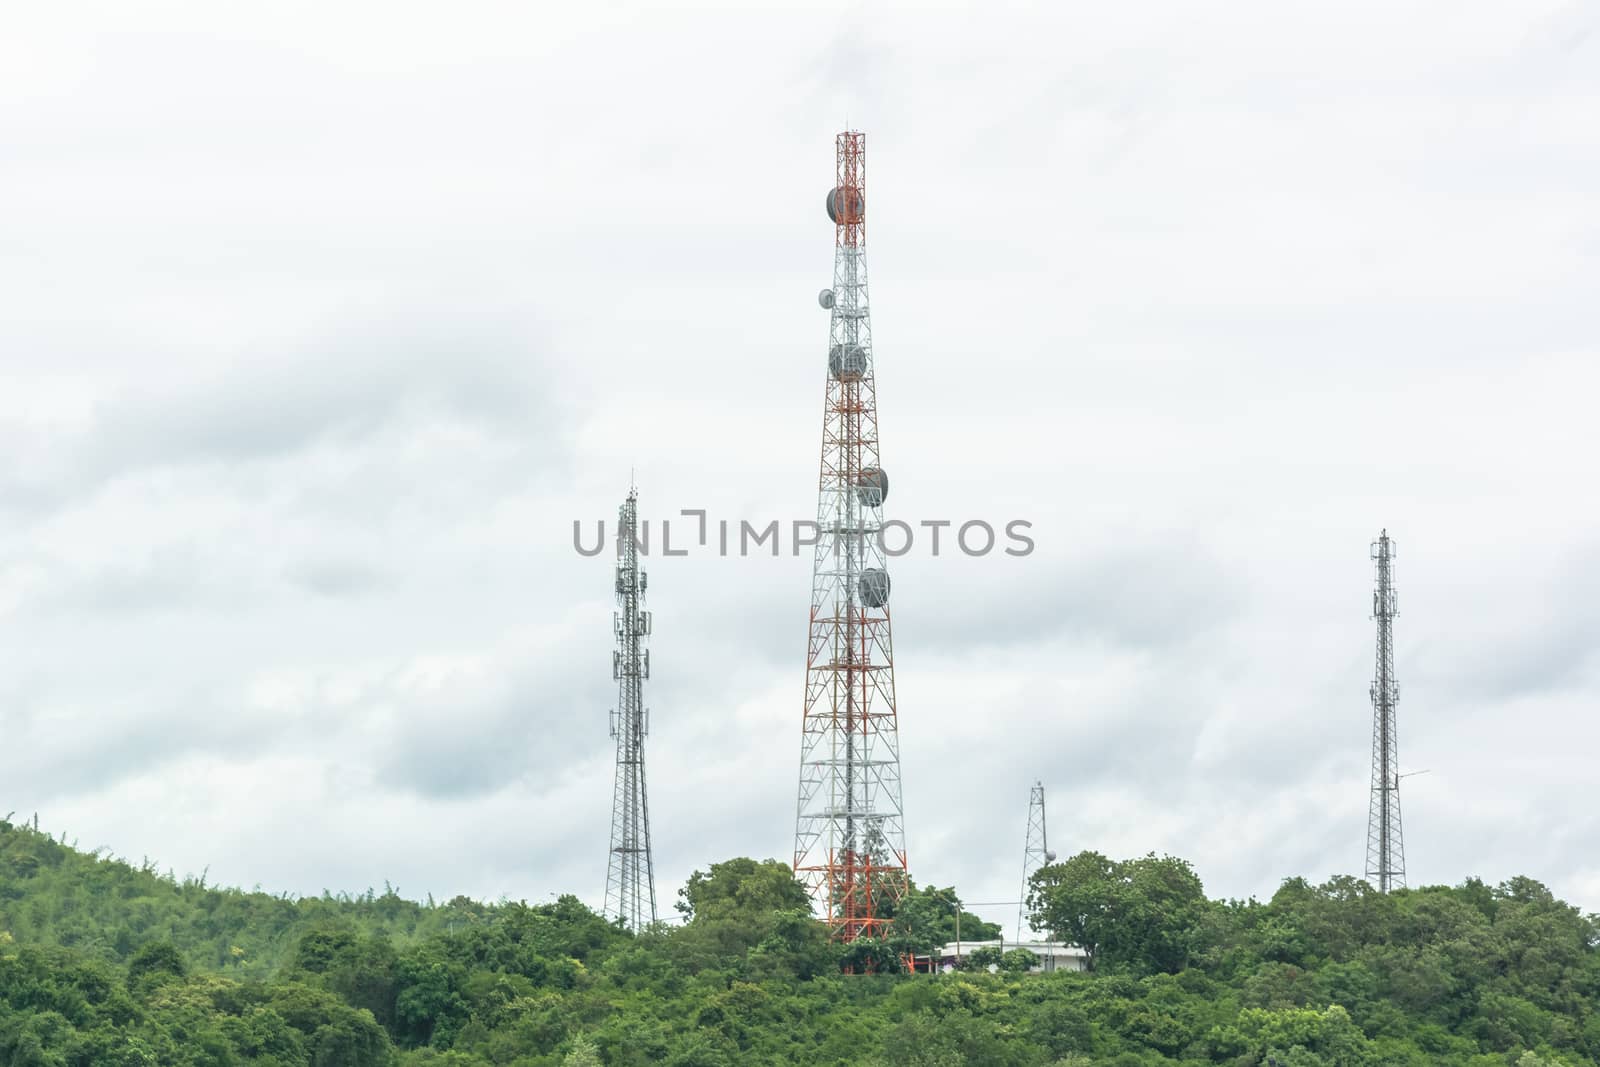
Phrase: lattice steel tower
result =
(630, 877)
(1035, 848)
(849, 840)
(1386, 854)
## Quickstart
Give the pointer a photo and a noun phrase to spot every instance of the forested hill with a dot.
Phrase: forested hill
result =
(53, 894)
(105, 963)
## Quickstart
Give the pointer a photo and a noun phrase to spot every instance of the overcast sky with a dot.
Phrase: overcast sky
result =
(320, 325)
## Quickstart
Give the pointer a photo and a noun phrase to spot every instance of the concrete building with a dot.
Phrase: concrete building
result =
(1052, 956)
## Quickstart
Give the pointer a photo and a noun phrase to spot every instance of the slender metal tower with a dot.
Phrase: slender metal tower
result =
(630, 877)
(1035, 849)
(849, 840)
(1386, 855)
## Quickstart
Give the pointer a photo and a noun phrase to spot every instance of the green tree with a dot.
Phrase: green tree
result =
(582, 1054)
(360, 969)
(429, 1007)
(984, 957)
(1018, 961)
(1140, 914)
(740, 888)
(925, 919)
(160, 959)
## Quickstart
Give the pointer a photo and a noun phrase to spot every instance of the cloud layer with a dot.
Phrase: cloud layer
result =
(321, 328)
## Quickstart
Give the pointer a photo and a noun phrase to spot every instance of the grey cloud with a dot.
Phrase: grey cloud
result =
(339, 578)
(526, 722)
(139, 582)
(360, 384)
(1550, 642)
(357, 385)
(1143, 597)
(90, 744)
(298, 413)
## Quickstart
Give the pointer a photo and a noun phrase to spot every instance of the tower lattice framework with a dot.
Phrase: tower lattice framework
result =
(1386, 855)
(1035, 849)
(849, 847)
(630, 875)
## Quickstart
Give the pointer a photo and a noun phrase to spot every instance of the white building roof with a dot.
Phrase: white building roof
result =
(1053, 949)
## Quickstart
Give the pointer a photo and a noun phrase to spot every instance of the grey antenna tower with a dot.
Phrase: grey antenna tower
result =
(1035, 850)
(630, 878)
(1386, 854)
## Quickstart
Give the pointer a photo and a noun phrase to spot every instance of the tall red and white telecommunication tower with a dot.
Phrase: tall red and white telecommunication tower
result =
(849, 842)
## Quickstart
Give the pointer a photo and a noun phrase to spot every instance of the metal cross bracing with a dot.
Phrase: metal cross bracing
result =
(849, 823)
(1035, 849)
(1386, 855)
(630, 875)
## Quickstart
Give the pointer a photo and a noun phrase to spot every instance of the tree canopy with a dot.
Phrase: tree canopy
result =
(1137, 914)
(108, 963)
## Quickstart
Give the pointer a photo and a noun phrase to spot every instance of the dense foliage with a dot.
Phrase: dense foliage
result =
(105, 963)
